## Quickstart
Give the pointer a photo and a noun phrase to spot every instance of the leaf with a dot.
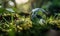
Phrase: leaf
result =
(10, 9)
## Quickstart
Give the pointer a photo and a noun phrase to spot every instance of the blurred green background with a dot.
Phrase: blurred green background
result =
(15, 18)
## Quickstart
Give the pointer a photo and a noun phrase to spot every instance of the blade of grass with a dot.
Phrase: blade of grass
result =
(5, 20)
